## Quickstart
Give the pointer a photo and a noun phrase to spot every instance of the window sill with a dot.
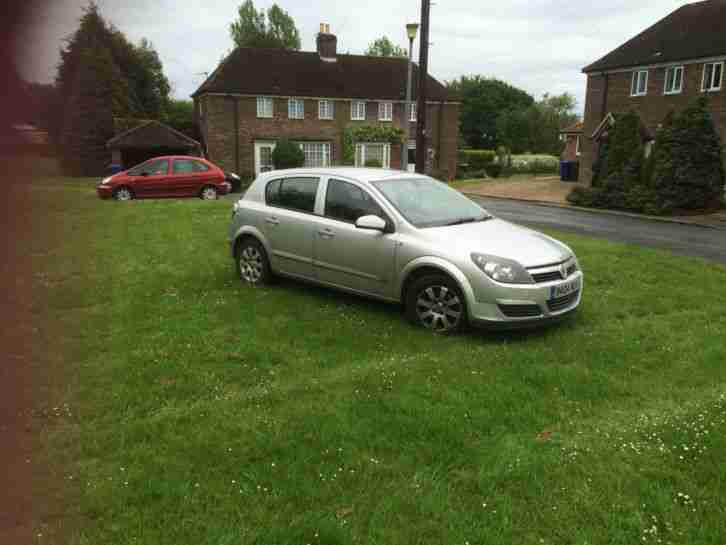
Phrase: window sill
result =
(673, 93)
(715, 90)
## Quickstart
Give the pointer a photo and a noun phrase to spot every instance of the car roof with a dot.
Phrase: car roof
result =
(356, 173)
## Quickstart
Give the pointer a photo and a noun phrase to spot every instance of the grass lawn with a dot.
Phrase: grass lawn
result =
(201, 411)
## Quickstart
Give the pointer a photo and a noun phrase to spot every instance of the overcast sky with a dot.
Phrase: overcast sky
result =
(537, 45)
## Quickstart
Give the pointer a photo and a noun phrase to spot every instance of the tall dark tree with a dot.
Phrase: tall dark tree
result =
(384, 47)
(101, 76)
(180, 116)
(483, 99)
(274, 29)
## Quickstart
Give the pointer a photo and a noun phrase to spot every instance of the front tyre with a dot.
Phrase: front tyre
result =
(123, 194)
(253, 267)
(435, 302)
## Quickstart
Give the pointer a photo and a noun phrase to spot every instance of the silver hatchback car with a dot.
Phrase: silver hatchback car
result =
(404, 238)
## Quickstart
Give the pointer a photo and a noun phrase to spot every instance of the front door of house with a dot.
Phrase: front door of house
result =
(263, 157)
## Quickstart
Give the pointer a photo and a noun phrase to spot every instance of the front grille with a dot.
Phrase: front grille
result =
(553, 276)
(547, 277)
(520, 311)
(561, 303)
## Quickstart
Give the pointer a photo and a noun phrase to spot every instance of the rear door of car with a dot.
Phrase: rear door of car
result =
(345, 255)
(184, 181)
(204, 174)
(288, 223)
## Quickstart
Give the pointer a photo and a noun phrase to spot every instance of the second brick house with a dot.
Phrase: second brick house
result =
(255, 97)
(663, 69)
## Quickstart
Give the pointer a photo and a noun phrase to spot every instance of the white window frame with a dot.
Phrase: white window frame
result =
(262, 106)
(577, 145)
(325, 153)
(413, 111)
(385, 111)
(360, 153)
(675, 70)
(635, 84)
(326, 109)
(355, 110)
(295, 108)
(712, 88)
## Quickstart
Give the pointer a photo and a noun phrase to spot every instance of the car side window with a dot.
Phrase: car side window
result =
(183, 166)
(151, 168)
(293, 193)
(348, 202)
(199, 166)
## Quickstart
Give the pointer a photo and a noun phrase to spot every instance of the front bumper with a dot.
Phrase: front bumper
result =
(104, 191)
(523, 306)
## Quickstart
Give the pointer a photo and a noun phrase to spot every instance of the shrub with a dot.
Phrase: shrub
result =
(373, 163)
(287, 155)
(494, 170)
(476, 159)
(689, 172)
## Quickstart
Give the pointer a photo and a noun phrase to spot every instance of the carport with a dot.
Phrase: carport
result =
(149, 139)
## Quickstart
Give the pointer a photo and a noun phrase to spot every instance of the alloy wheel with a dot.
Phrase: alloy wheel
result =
(438, 308)
(123, 194)
(209, 194)
(251, 265)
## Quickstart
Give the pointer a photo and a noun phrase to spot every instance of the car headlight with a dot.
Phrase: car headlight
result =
(106, 180)
(236, 207)
(502, 270)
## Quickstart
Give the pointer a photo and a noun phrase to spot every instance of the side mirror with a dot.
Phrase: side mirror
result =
(373, 223)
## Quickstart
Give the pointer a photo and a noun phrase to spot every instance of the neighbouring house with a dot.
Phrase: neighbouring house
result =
(664, 68)
(572, 136)
(137, 140)
(256, 97)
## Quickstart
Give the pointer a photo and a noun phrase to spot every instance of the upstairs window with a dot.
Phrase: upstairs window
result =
(712, 76)
(639, 85)
(412, 112)
(358, 110)
(264, 107)
(296, 108)
(673, 80)
(385, 111)
(326, 109)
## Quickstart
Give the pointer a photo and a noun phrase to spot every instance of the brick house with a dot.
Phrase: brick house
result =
(572, 137)
(664, 68)
(257, 96)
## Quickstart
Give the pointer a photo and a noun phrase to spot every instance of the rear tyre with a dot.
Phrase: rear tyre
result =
(434, 301)
(208, 193)
(123, 193)
(253, 267)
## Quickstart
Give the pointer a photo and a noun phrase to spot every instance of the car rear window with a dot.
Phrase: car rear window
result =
(293, 193)
(200, 167)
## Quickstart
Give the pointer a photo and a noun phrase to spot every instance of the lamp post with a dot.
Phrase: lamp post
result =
(411, 30)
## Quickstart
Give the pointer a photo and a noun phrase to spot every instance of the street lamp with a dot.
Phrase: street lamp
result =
(411, 30)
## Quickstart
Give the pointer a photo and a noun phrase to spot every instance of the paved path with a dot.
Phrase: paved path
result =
(688, 240)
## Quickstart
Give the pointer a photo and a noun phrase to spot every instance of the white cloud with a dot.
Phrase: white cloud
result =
(537, 45)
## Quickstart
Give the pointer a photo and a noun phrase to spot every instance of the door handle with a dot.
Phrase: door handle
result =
(273, 221)
(326, 233)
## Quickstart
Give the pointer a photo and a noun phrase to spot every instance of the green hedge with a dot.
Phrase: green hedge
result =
(287, 155)
(476, 159)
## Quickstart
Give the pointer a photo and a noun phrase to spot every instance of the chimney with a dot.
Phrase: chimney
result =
(327, 44)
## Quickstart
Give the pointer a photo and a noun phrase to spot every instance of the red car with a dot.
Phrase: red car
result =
(161, 177)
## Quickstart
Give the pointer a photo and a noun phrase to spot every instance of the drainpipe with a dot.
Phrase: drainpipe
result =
(606, 84)
(236, 135)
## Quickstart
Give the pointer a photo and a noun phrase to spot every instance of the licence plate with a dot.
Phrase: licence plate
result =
(564, 289)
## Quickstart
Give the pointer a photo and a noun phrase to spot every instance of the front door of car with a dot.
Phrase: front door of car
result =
(150, 178)
(347, 256)
(288, 222)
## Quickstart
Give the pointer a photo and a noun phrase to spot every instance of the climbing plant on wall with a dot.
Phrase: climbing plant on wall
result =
(368, 133)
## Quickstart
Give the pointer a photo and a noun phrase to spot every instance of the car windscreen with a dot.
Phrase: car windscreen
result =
(426, 202)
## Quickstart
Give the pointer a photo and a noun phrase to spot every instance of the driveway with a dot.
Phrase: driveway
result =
(687, 240)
